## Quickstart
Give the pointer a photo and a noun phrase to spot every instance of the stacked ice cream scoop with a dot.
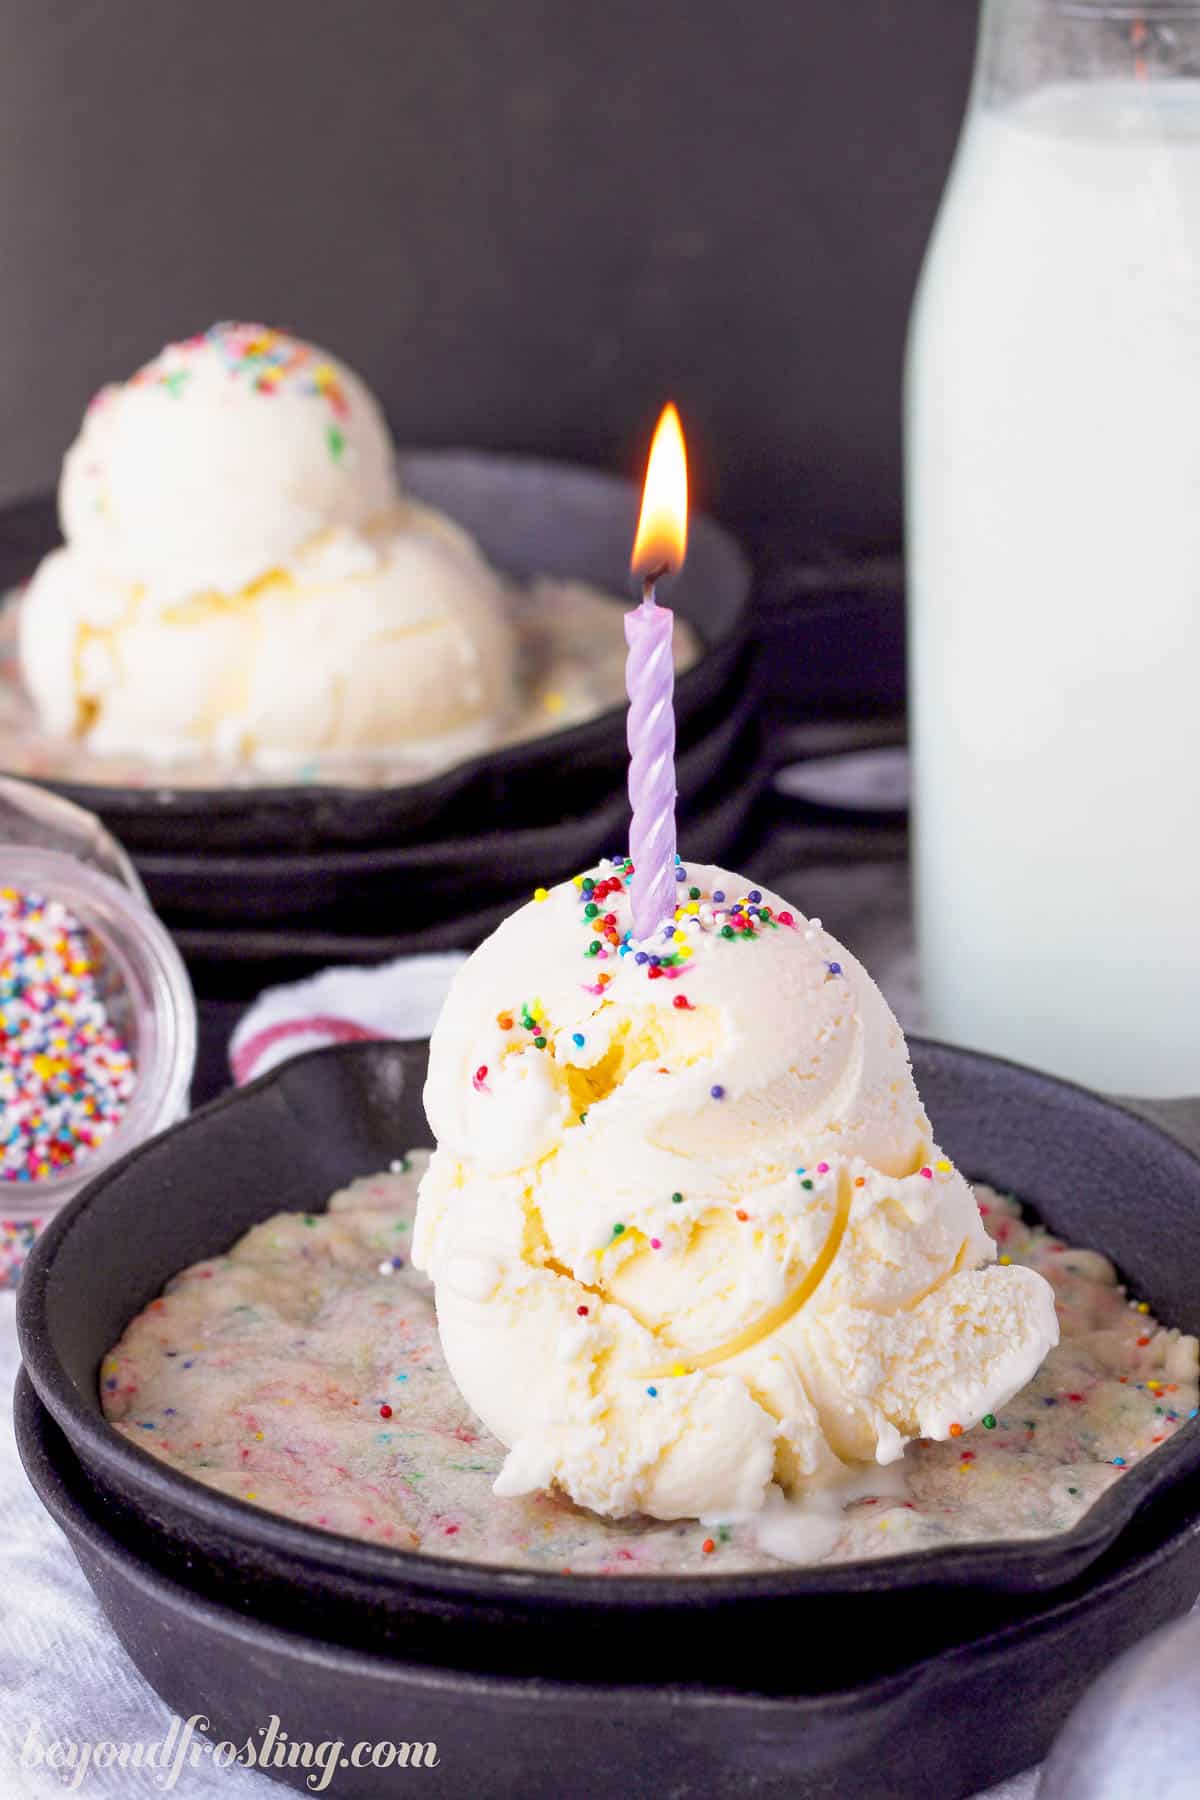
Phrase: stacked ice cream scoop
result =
(242, 575)
(690, 1231)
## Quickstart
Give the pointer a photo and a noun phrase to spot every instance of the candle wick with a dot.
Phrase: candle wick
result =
(650, 581)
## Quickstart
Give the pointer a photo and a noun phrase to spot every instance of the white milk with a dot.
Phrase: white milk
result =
(1053, 466)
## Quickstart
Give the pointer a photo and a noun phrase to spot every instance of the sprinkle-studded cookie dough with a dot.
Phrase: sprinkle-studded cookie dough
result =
(66, 1074)
(302, 1372)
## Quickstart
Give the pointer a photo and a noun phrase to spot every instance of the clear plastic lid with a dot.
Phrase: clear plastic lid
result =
(52, 850)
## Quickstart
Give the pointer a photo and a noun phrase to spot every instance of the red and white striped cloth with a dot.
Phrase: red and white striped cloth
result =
(399, 999)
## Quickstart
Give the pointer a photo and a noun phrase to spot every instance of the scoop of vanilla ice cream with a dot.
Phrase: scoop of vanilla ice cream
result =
(242, 576)
(221, 458)
(688, 1226)
(366, 641)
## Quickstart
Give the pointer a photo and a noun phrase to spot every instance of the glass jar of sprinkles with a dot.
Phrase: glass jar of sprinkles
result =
(97, 1018)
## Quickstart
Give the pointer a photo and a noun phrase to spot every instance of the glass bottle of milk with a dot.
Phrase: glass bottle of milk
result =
(1053, 538)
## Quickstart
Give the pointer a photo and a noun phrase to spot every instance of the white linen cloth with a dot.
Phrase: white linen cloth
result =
(400, 999)
(60, 1664)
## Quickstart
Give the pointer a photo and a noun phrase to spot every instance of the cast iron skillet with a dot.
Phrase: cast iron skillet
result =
(530, 517)
(1100, 1176)
(946, 1724)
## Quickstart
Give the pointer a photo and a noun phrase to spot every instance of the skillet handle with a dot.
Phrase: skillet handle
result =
(1180, 1119)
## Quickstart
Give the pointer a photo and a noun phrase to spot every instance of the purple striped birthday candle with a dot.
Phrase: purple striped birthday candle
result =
(650, 734)
(650, 681)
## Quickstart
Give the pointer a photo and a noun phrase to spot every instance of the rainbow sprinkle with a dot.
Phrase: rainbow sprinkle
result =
(66, 1075)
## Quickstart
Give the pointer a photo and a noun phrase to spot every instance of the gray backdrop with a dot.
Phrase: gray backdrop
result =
(525, 222)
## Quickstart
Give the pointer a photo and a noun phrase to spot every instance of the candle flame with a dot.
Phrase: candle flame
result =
(661, 541)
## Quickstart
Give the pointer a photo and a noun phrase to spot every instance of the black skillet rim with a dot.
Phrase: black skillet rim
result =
(1014, 1565)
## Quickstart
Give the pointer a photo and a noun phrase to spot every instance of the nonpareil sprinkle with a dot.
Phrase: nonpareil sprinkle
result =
(66, 1074)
